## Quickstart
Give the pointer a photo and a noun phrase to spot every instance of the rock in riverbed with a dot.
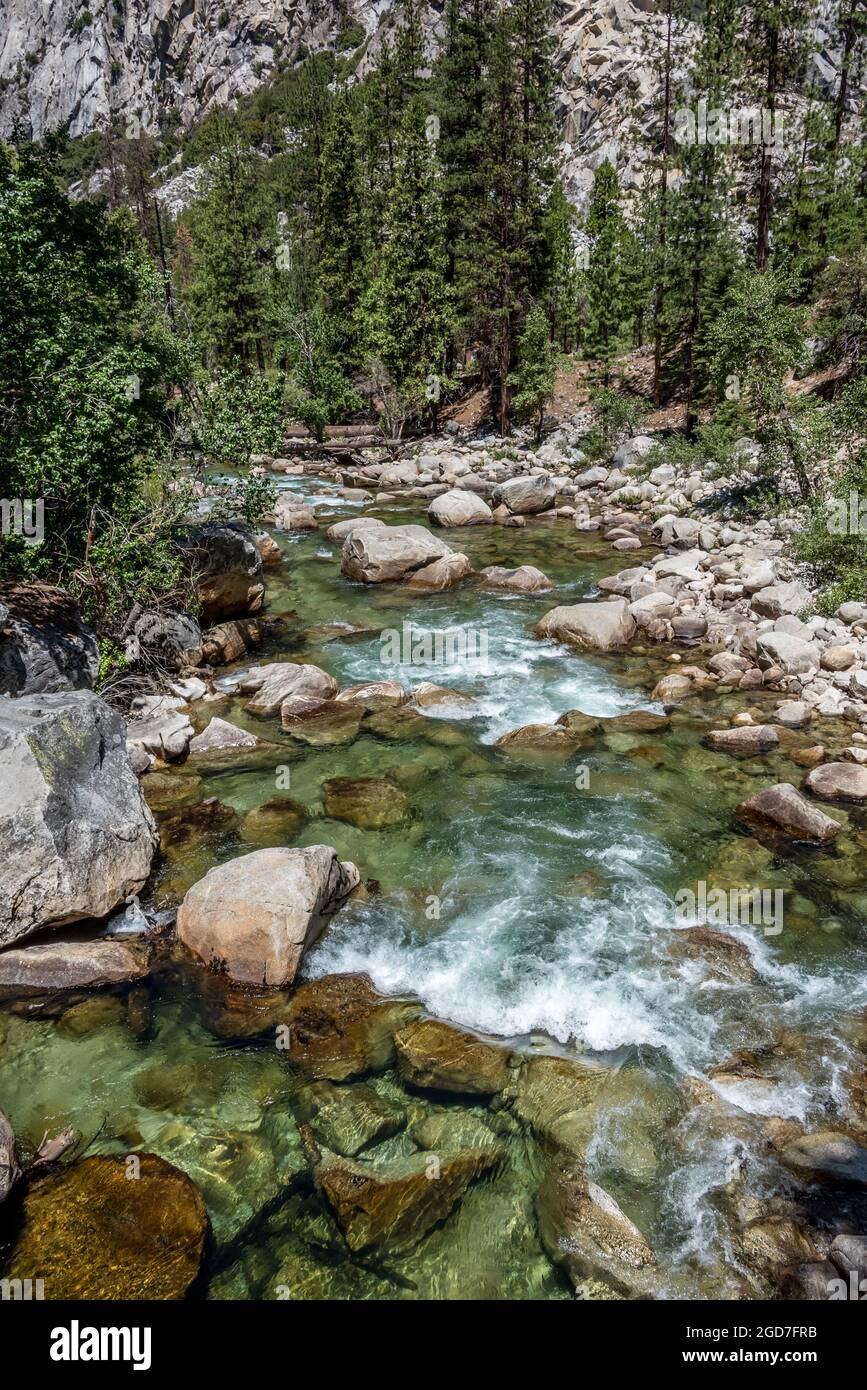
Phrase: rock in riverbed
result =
(76, 836)
(370, 803)
(376, 554)
(49, 967)
(90, 1233)
(339, 1027)
(437, 1056)
(459, 508)
(583, 1229)
(781, 811)
(227, 569)
(602, 626)
(253, 918)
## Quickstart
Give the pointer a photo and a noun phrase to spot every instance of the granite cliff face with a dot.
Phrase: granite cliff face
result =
(63, 61)
(82, 62)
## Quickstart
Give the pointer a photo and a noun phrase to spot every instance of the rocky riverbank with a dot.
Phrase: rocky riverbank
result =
(294, 800)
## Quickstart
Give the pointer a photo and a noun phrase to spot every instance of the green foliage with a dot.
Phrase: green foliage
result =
(607, 275)
(618, 417)
(112, 661)
(533, 381)
(407, 311)
(832, 539)
(87, 366)
(232, 416)
(249, 498)
(317, 391)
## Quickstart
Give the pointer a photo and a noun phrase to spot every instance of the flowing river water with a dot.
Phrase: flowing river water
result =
(530, 897)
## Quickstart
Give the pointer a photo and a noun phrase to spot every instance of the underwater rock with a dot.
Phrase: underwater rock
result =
(208, 817)
(91, 1015)
(90, 1233)
(427, 693)
(725, 957)
(348, 1119)
(253, 917)
(827, 1156)
(393, 1207)
(583, 1229)
(434, 1055)
(634, 721)
(329, 725)
(276, 821)
(339, 1027)
(369, 803)
(557, 1098)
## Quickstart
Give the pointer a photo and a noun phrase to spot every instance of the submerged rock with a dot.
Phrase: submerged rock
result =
(438, 1056)
(369, 803)
(76, 835)
(90, 1232)
(747, 741)
(393, 1207)
(274, 822)
(781, 811)
(348, 1119)
(557, 1098)
(583, 1229)
(253, 918)
(339, 1027)
(828, 1156)
(9, 1170)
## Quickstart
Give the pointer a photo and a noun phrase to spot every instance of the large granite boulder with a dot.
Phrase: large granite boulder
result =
(44, 645)
(458, 507)
(227, 569)
(76, 834)
(374, 555)
(253, 917)
(53, 967)
(838, 782)
(525, 496)
(601, 626)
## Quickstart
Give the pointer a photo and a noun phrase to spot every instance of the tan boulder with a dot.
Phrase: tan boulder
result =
(253, 917)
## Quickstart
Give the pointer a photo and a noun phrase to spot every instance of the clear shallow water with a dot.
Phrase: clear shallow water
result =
(554, 926)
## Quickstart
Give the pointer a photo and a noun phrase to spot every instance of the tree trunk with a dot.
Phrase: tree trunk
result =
(659, 295)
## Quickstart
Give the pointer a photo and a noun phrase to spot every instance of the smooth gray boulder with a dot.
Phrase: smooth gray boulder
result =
(44, 645)
(458, 507)
(793, 655)
(374, 556)
(838, 782)
(633, 451)
(525, 496)
(76, 834)
(597, 625)
(777, 599)
(174, 638)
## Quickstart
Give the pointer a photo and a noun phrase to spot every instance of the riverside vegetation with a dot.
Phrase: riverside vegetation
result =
(351, 793)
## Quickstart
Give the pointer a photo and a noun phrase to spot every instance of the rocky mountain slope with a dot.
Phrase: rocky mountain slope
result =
(81, 62)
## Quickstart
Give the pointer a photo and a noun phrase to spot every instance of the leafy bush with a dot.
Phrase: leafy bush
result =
(232, 415)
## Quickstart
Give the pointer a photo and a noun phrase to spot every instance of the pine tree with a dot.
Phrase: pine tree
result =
(408, 312)
(564, 288)
(607, 286)
(341, 222)
(536, 372)
(231, 247)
